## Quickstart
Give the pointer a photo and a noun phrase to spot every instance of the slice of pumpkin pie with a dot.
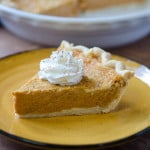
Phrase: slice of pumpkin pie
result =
(74, 80)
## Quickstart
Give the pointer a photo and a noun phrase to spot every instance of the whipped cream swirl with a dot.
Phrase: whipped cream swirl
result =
(61, 68)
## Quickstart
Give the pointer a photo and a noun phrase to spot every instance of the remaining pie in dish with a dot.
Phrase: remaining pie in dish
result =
(75, 80)
(98, 4)
(64, 7)
(50, 7)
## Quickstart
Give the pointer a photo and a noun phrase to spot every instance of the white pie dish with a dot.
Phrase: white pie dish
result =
(112, 28)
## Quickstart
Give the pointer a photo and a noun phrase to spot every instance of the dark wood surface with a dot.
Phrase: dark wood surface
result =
(138, 51)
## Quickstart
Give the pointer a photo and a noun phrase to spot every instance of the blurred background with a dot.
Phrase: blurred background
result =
(106, 24)
(119, 26)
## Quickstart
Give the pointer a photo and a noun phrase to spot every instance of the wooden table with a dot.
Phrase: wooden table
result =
(139, 51)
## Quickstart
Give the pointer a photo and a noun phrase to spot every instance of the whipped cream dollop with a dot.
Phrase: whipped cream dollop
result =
(61, 68)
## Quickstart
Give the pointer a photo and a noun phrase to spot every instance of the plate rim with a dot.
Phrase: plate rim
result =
(83, 146)
(39, 144)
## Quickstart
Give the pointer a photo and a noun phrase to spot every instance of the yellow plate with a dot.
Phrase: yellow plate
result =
(130, 118)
